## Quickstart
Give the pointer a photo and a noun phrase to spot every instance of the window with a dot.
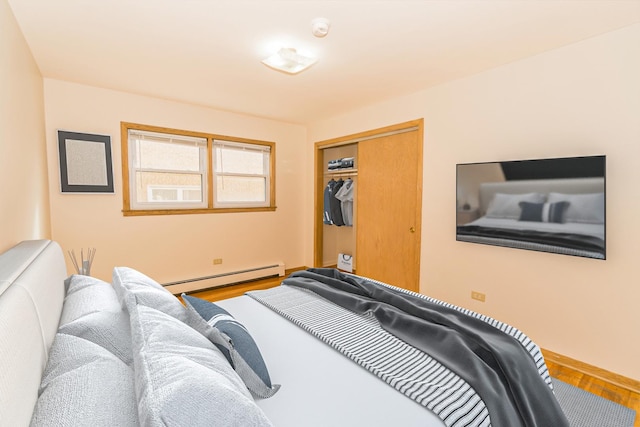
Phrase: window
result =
(162, 166)
(168, 171)
(241, 174)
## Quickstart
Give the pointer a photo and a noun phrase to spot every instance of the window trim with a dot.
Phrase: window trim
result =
(128, 210)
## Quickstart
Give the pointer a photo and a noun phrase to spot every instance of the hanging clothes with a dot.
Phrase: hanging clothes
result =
(335, 204)
(328, 195)
(345, 195)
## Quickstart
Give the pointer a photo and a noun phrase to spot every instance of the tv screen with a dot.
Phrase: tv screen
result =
(550, 205)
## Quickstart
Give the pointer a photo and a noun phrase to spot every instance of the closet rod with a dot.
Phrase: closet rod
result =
(365, 138)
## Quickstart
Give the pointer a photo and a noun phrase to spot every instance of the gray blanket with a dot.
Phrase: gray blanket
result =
(495, 364)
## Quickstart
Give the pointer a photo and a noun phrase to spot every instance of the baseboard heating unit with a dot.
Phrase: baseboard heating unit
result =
(224, 279)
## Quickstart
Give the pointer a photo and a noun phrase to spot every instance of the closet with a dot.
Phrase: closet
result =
(384, 241)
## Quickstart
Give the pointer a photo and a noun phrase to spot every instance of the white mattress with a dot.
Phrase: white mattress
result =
(320, 387)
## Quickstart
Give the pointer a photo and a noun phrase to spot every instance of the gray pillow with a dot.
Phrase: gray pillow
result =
(87, 295)
(147, 291)
(585, 208)
(182, 379)
(235, 342)
(109, 330)
(92, 311)
(543, 212)
(85, 385)
(507, 205)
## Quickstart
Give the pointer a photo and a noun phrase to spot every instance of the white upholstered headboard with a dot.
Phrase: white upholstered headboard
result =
(32, 275)
(567, 186)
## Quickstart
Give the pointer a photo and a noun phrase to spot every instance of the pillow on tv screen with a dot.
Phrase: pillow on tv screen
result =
(235, 342)
(586, 208)
(507, 205)
(182, 379)
(543, 212)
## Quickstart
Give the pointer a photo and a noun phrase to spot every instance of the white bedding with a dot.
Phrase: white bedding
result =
(320, 386)
(596, 230)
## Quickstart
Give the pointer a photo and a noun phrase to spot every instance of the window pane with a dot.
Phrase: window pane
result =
(235, 160)
(240, 189)
(160, 187)
(191, 195)
(162, 194)
(167, 156)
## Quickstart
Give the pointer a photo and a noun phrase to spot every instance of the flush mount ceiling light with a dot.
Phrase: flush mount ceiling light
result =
(289, 61)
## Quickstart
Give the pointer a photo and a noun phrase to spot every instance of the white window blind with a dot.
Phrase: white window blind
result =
(241, 174)
(167, 171)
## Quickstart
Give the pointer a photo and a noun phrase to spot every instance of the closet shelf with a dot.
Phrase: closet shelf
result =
(343, 172)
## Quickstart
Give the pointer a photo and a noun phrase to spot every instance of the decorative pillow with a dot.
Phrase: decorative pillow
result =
(92, 311)
(543, 212)
(86, 386)
(507, 205)
(182, 379)
(235, 342)
(86, 295)
(585, 208)
(110, 331)
(147, 291)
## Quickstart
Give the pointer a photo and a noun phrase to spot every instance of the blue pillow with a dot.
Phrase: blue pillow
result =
(235, 342)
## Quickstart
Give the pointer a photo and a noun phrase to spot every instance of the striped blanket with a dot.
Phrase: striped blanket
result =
(410, 370)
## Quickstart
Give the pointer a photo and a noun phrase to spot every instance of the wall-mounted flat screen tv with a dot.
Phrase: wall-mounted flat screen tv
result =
(551, 205)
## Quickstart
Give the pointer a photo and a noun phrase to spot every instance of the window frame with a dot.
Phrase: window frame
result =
(130, 209)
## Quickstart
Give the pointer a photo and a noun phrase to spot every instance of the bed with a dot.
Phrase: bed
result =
(565, 216)
(78, 351)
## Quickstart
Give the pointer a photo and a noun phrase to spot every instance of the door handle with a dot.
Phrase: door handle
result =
(412, 229)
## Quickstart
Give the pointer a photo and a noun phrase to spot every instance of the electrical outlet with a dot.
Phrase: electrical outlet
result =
(477, 296)
(217, 261)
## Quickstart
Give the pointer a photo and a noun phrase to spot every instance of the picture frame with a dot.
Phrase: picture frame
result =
(85, 163)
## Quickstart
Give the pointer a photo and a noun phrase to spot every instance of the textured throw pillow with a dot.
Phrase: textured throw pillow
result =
(110, 331)
(84, 385)
(235, 342)
(92, 311)
(86, 295)
(585, 208)
(507, 206)
(182, 379)
(543, 212)
(128, 282)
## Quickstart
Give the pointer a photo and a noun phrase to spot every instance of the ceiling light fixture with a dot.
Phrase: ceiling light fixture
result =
(289, 61)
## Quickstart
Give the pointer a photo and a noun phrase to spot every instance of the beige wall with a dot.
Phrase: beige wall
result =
(582, 99)
(24, 196)
(172, 247)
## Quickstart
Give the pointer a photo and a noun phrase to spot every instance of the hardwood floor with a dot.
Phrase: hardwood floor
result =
(608, 385)
(602, 383)
(225, 292)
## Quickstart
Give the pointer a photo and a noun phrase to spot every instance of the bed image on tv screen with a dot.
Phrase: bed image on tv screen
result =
(550, 205)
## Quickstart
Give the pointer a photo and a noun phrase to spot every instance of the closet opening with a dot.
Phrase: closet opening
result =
(375, 220)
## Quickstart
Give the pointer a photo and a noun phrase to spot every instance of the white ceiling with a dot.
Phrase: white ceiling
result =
(208, 52)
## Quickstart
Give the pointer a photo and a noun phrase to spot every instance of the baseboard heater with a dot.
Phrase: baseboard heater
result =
(224, 279)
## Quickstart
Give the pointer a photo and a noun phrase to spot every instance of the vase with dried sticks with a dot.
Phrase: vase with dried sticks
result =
(83, 265)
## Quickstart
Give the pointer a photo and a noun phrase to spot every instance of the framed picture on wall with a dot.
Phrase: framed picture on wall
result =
(85, 163)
